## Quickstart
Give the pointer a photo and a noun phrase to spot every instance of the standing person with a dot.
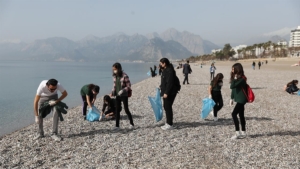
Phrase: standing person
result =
(266, 62)
(237, 84)
(154, 69)
(186, 71)
(120, 89)
(47, 91)
(169, 87)
(215, 94)
(88, 95)
(152, 72)
(259, 64)
(212, 71)
(159, 70)
(253, 65)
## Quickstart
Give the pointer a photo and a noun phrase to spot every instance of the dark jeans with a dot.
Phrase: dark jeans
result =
(186, 78)
(123, 99)
(85, 104)
(168, 102)
(217, 97)
(239, 109)
(212, 75)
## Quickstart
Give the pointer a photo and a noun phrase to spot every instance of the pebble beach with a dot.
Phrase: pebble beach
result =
(272, 123)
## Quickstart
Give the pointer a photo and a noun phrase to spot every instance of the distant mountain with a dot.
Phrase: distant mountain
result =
(171, 44)
(274, 36)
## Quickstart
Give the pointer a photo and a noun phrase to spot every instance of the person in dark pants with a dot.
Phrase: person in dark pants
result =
(168, 91)
(88, 94)
(152, 72)
(120, 89)
(186, 71)
(159, 70)
(259, 64)
(212, 71)
(110, 104)
(291, 87)
(237, 84)
(215, 94)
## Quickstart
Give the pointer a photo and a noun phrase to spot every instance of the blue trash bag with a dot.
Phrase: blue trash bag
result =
(149, 73)
(156, 105)
(207, 105)
(93, 114)
(298, 92)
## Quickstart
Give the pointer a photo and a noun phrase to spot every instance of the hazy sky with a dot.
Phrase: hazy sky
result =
(219, 21)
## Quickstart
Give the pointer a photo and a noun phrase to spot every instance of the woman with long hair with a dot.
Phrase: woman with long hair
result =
(88, 95)
(215, 94)
(120, 90)
(110, 104)
(237, 85)
(168, 91)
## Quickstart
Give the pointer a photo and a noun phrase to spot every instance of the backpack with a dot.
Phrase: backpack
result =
(177, 85)
(248, 92)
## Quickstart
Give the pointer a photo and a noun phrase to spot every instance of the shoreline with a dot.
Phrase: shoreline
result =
(272, 123)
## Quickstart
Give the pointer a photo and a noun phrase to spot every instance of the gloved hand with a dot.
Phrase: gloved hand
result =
(52, 102)
(120, 92)
(231, 102)
(209, 96)
(37, 120)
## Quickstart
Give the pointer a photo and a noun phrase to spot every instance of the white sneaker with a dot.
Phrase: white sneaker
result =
(164, 126)
(56, 137)
(236, 136)
(116, 128)
(38, 136)
(243, 134)
(215, 118)
(168, 127)
(131, 126)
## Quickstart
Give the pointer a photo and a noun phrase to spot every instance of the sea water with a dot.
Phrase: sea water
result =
(19, 81)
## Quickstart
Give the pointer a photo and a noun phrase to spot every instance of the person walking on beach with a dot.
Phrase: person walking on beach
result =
(259, 64)
(186, 71)
(121, 88)
(253, 65)
(169, 87)
(212, 71)
(47, 92)
(215, 94)
(237, 84)
(88, 95)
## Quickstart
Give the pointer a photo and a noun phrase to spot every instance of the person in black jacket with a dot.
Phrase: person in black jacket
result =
(168, 91)
(186, 71)
(110, 104)
(291, 87)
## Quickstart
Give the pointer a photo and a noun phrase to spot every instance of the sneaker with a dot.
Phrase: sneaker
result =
(164, 126)
(131, 126)
(243, 134)
(236, 136)
(116, 128)
(167, 127)
(56, 137)
(215, 118)
(38, 136)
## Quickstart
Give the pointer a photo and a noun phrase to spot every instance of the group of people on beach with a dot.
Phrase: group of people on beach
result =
(169, 87)
(259, 64)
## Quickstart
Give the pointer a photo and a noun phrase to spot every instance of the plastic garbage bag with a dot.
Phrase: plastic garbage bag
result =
(149, 73)
(93, 114)
(207, 105)
(298, 92)
(156, 105)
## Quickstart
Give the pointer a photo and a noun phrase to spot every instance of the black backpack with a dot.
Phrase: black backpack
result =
(177, 85)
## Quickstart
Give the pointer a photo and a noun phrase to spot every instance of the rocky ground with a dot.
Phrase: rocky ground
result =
(272, 126)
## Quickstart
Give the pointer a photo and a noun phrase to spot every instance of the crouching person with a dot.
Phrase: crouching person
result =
(47, 92)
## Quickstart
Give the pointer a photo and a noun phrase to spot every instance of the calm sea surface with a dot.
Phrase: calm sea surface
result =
(19, 81)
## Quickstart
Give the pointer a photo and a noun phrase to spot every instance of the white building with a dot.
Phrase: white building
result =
(215, 50)
(236, 50)
(295, 37)
(295, 42)
(283, 43)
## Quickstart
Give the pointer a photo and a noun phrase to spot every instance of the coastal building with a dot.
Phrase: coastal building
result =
(295, 37)
(215, 50)
(239, 47)
(295, 43)
(283, 43)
